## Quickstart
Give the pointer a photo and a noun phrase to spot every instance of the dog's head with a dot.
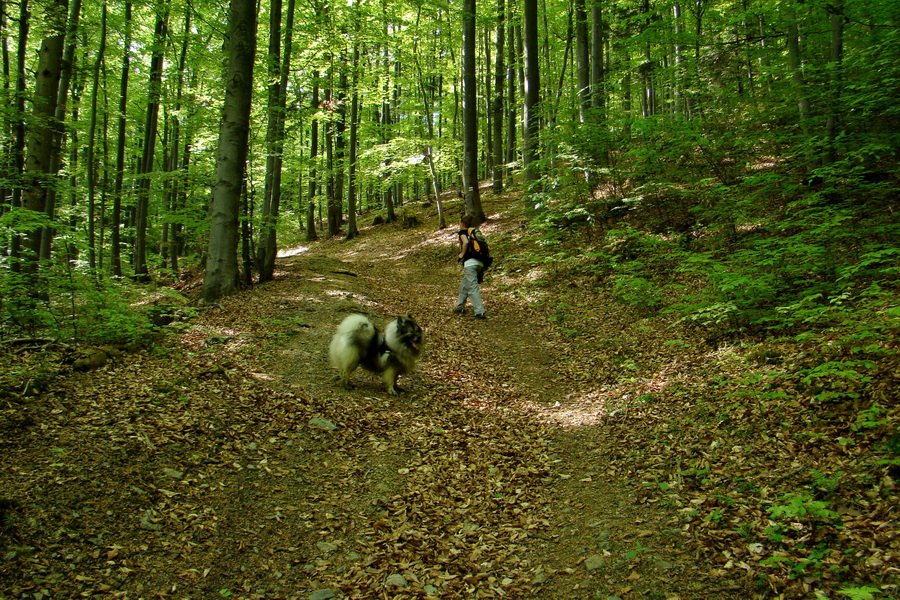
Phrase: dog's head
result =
(409, 333)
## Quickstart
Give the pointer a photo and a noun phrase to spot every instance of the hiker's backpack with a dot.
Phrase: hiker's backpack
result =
(478, 247)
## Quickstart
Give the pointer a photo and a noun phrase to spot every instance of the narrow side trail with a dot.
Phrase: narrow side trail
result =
(481, 480)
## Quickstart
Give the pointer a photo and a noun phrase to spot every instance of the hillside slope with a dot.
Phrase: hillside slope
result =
(565, 448)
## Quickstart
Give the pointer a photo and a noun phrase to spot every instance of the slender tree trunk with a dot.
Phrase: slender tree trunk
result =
(333, 212)
(497, 119)
(66, 74)
(511, 77)
(570, 34)
(92, 141)
(115, 257)
(582, 60)
(313, 157)
(18, 150)
(470, 113)
(6, 125)
(836, 82)
(598, 94)
(221, 277)
(39, 148)
(680, 108)
(352, 230)
(427, 104)
(175, 158)
(273, 62)
(279, 71)
(792, 41)
(154, 93)
(531, 131)
(340, 130)
(488, 159)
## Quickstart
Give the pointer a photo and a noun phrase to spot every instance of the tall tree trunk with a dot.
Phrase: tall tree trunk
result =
(66, 75)
(92, 141)
(582, 60)
(511, 77)
(221, 277)
(836, 80)
(488, 153)
(427, 104)
(792, 41)
(39, 147)
(531, 130)
(279, 70)
(598, 93)
(273, 62)
(680, 108)
(6, 124)
(313, 157)
(175, 158)
(333, 214)
(18, 149)
(499, 83)
(470, 114)
(115, 256)
(151, 124)
(352, 230)
(340, 130)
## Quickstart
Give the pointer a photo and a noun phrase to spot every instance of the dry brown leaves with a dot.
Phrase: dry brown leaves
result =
(523, 462)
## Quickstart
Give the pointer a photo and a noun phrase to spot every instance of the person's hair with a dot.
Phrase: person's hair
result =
(467, 220)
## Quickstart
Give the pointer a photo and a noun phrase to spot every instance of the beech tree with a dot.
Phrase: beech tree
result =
(369, 106)
(470, 114)
(221, 277)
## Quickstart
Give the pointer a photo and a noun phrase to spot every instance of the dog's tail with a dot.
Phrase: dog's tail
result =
(348, 348)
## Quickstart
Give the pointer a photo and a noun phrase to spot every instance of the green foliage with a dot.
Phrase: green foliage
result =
(69, 303)
(800, 506)
(871, 418)
(865, 592)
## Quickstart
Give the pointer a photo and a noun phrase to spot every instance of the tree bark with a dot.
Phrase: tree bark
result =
(836, 81)
(352, 230)
(792, 41)
(39, 147)
(531, 130)
(221, 277)
(470, 114)
(313, 157)
(91, 141)
(279, 70)
(115, 256)
(18, 127)
(582, 60)
(151, 124)
(497, 118)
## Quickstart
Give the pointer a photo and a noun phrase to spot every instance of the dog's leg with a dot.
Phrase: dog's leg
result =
(390, 379)
(346, 371)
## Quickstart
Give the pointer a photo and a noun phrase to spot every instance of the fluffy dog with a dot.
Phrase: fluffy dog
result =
(358, 343)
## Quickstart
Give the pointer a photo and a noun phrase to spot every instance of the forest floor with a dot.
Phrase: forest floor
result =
(517, 463)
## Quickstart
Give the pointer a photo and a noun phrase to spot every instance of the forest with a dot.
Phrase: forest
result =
(712, 182)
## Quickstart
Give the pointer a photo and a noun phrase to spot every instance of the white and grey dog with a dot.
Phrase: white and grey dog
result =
(358, 343)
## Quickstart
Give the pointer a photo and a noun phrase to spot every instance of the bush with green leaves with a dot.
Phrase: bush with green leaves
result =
(64, 302)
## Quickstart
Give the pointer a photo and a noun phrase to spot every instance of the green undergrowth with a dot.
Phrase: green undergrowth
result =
(776, 304)
(67, 303)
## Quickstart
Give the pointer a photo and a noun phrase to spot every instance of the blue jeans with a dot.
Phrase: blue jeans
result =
(469, 288)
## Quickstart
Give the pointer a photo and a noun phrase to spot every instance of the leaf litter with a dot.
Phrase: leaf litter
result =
(522, 462)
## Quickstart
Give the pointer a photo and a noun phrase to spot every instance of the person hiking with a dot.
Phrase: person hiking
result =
(469, 287)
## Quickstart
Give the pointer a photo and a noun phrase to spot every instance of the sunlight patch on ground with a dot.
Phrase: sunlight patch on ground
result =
(630, 399)
(288, 252)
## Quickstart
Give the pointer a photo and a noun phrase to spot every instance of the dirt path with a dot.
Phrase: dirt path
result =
(233, 466)
(479, 481)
